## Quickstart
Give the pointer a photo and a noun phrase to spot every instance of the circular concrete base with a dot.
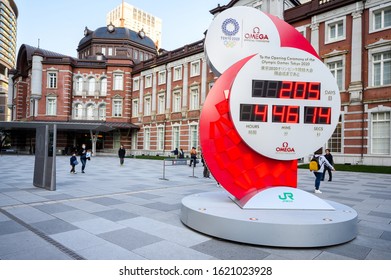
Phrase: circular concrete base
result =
(215, 214)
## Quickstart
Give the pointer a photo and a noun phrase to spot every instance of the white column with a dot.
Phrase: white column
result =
(141, 100)
(203, 80)
(154, 89)
(185, 85)
(10, 90)
(168, 89)
(36, 76)
(355, 86)
(315, 35)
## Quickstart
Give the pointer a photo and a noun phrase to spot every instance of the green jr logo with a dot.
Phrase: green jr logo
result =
(286, 197)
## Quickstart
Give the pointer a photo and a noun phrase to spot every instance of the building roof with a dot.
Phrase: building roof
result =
(119, 33)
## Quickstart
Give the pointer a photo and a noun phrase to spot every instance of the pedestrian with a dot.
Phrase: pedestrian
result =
(175, 152)
(73, 161)
(329, 158)
(181, 153)
(83, 157)
(193, 156)
(322, 162)
(121, 154)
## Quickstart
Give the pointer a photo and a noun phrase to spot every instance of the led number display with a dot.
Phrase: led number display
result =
(286, 89)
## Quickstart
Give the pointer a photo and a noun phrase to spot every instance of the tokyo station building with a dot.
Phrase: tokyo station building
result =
(122, 90)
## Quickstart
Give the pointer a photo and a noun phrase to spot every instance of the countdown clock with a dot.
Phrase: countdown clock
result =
(274, 102)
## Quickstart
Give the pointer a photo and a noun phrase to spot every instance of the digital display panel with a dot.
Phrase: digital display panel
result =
(284, 114)
(286, 89)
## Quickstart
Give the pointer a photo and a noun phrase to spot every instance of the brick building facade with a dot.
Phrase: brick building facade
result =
(153, 101)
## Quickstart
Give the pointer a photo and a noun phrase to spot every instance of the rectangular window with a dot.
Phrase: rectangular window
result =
(135, 108)
(336, 68)
(160, 138)
(136, 84)
(335, 142)
(110, 53)
(117, 108)
(118, 82)
(194, 136)
(52, 80)
(194, 99)
(147, 106)
(176, 102)
(148, 81)
(382, 68)
(382, 19)
(175, 137)
(134, 139)
(195, 68)
(162, 77)
(147, 138)
(178, 73)
(51, 106)
(381, 129)
(335, 30)
(161, 104)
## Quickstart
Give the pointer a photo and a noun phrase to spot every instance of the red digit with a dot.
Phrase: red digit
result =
(300, 90)
(293, 114)
(278, 113)
(324, 115)
(261, 113)
(286, 89)
(314, 91)
(315, 115)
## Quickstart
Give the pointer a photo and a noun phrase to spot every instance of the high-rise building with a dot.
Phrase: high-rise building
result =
(126, 15)
(8, 16)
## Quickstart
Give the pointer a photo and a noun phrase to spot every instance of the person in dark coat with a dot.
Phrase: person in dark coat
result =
(121, 155)
(329, 158)
(83, 157)
(73, 162)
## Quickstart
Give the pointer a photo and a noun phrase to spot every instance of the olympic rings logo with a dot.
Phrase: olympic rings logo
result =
(230, 27)
(229, 44)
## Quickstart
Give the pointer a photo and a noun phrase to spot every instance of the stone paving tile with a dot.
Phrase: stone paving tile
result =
(166, 250)
(182, 236)
(98, 225)
(163, 206)
(129, 239)
(115, 215)
(29, 214)
(54, 208)
(53, 226)
(105, 201)
(292, 253)
(379, 255)
(86, 205)
(39, 253)
(108, 251)
(331, 256)
(19, 241)
(386, 235)
(78, 239)
(230, 251)
(7, 227)
(74, 216)
(350, 250)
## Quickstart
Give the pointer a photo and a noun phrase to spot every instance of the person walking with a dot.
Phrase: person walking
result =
(121, 154)
(329, 158)
(175, 152)
(322, 162)
(83, 157)
(181, 153)
(73, 162)
(193, 156)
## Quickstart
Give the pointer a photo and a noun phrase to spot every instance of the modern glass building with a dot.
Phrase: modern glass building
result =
(8, 16)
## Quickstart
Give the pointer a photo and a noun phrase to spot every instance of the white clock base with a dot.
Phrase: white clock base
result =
(215, 214)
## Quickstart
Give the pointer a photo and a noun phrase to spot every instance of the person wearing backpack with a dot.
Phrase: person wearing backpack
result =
(318, 172)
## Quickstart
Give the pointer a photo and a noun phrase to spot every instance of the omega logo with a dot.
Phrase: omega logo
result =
(285, 148)
(256, 35)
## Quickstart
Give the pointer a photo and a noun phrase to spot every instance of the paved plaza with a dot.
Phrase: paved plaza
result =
(128, 212)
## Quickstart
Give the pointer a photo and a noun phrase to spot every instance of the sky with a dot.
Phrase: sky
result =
(59, 24)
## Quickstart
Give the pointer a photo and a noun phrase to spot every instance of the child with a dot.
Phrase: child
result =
(73, 162)
(88, 154)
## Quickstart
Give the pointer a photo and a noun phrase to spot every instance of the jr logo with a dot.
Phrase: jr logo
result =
(287, 197)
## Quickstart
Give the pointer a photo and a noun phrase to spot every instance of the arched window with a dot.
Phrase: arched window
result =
(91, 86)
(90, 112)
(79, 85)
(78, 111)
(103, 86)
(102, 112)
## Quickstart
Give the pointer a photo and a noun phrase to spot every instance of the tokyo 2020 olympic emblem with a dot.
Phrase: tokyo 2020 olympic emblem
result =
(230, 27)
